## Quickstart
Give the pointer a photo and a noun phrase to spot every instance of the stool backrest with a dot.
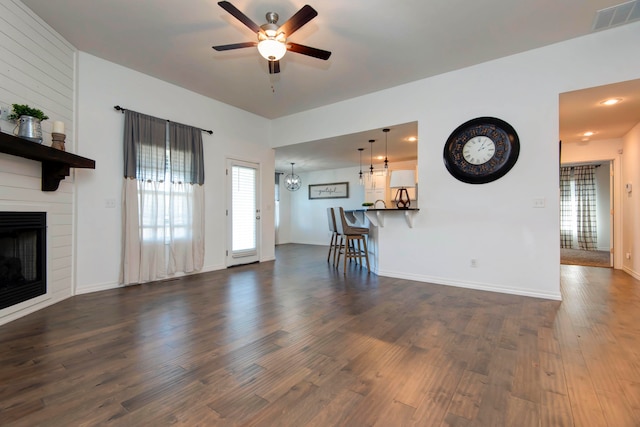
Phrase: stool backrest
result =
(344, 224)
(331, 216)
(340, 225)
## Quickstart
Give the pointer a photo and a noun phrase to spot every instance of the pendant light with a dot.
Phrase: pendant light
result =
(371, 141)
(360, 176)
(292, 181)
(386, 160)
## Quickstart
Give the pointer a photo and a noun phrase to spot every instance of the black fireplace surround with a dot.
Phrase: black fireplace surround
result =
(23, 254)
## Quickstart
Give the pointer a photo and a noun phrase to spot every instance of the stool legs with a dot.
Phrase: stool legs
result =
(332, 247)
(355, 250)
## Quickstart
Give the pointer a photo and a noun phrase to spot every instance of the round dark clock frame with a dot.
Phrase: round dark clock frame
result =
(481, 150)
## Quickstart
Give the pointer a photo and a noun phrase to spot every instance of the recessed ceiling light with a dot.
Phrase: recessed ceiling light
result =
(412, 139)
(588, 133)
(380, 157)
(611, 101)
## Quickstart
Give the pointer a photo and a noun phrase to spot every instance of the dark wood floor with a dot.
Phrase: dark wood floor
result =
(296, 343)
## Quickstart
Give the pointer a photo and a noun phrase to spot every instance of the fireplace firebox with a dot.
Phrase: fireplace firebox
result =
(22, 256)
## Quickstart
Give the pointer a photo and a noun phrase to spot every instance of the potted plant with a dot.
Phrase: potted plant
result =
(25, 110)
(28, 121)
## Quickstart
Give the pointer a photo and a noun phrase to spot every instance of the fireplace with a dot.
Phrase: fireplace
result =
(22, 256)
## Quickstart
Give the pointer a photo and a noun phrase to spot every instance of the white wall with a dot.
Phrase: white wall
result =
(284, 231)
(37, 68)
(236, 134)
(516, 246)
(631, 202)
(309, 224)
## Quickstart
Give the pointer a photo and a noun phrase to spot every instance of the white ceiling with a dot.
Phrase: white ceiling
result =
(375, 45)
(342, 152)
(582, 111)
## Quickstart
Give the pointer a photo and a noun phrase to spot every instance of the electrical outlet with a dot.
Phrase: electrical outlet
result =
(539, 203)
(628, 255)
(110, 203)
(474, 263)
(4, 112)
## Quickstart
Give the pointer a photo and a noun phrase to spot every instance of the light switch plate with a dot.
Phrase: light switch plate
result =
(5, 110)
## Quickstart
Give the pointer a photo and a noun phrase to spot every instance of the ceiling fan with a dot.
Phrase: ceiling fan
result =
(272, 39)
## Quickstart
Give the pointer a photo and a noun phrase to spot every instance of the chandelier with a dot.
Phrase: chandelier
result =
(292, 181)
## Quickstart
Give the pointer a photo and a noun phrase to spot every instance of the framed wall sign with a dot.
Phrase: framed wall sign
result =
(333, 190)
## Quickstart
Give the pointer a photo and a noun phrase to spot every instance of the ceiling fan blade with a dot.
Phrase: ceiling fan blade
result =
(240, 16)
(234, 46)
(309, 51)
(274, 67)
(301, 17)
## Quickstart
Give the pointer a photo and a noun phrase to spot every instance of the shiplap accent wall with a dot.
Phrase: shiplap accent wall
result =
(37, 68)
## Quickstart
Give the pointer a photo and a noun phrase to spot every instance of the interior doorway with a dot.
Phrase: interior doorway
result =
(594, 123)
(586, 214)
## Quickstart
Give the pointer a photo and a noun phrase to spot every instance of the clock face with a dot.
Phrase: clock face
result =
(478, 150)
(481, 150)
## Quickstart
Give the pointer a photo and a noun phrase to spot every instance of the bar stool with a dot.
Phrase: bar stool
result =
(334, 245)
(353, 242)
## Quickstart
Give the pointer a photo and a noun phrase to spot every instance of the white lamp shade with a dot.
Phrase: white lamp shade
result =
(403, 179)
(271, 49)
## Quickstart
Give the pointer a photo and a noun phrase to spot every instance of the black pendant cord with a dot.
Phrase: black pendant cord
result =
(360, 173)
(386, 160)
(371, 141)
(122, 110)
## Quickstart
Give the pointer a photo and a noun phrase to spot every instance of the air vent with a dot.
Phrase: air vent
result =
(617, 15)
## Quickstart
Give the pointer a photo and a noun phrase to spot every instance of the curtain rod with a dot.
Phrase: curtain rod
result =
(572, 165)
(122, 110)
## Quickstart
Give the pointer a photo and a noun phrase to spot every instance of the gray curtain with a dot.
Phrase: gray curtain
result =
(187, 162)
(145, 152)
(585, 188)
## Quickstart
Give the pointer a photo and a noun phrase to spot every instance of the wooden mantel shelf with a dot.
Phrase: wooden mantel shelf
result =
(55, 163)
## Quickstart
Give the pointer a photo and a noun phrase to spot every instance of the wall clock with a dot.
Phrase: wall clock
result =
(481, 150)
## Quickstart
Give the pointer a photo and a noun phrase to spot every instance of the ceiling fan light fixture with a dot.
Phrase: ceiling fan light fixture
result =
(272, 38)
(272, 49)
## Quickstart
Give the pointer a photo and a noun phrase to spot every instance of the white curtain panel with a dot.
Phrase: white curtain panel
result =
(186, 228)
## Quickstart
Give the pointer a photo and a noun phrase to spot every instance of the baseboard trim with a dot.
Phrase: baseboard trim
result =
(473, 285)
(98, 287)
(631, 272)
(114, 285)
(27, 307)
